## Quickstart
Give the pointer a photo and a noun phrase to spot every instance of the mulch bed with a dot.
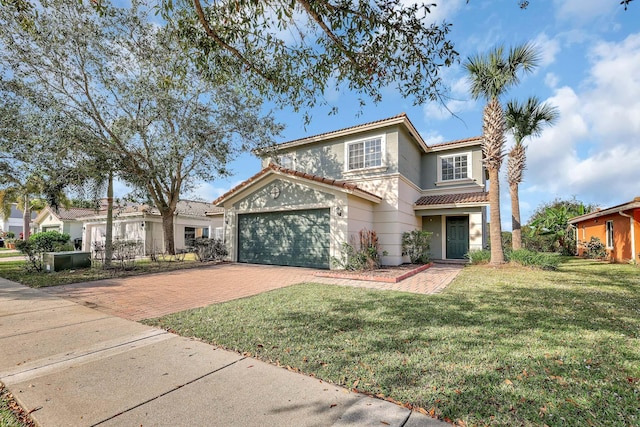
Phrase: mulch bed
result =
(387, 274)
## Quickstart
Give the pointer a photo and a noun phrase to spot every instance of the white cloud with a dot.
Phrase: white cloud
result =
(580, 12)
(551, 80)
(459, 101)
(592, 152)
(548, 49)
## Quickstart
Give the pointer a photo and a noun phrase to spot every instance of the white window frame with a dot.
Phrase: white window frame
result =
(609, 233)
(290, 158)
(383, 153)
(456, 180)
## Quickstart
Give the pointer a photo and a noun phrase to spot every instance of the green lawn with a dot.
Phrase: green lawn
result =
(15, 271)
(9, 254)
(506, 346)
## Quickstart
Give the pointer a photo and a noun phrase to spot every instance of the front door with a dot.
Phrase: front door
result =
(457, 237)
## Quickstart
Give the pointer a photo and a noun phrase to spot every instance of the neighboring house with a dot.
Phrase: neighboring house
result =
(617, 227)
(314, 193)
(143, 224)
(14, 222)
(63, 221)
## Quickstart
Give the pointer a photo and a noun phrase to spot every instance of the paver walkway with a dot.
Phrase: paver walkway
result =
(154, 295)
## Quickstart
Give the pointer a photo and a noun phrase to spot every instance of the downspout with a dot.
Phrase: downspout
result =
(633, 234)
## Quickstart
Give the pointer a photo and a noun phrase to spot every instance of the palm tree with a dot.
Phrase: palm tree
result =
(26, 196)
(523, 120)
(490, 76)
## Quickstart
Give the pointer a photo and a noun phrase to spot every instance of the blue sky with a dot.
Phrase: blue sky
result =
(590, 70)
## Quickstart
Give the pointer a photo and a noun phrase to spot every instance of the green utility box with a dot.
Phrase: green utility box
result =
(72, 260)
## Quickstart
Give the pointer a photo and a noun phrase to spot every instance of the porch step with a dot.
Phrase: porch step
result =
(451, 261)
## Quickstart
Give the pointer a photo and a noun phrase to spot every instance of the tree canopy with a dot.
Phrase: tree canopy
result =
(130, 100)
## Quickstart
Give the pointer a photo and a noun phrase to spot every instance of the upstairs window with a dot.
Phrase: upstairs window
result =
(286, 161)
(454, 167)
(365, 154)
(609, 226)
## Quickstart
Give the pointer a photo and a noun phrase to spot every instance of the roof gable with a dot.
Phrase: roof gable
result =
(272, 168)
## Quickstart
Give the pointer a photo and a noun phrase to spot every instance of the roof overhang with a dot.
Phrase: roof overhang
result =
(635, 204)
(292, 175)
(400, 119)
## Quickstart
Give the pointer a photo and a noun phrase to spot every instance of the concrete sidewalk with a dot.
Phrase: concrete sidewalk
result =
(75, 366)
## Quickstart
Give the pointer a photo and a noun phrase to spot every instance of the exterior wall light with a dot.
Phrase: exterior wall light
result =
(338, 211)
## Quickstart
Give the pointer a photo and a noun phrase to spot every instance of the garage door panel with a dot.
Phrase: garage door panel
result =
(295, 238)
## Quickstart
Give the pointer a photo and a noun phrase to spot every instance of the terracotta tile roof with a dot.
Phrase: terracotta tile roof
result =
(73, 213)
(184, 207)
(275, 168)
(452, 199)
(324, 135)
(477, 139)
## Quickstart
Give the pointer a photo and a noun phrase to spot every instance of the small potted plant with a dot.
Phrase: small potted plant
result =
(10, 240)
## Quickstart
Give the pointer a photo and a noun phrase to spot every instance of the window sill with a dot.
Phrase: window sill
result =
(354, 172)
(455, 182)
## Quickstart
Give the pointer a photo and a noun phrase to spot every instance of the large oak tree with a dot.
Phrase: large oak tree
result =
(125, 82)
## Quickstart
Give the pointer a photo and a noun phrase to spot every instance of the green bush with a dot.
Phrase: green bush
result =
(595, 249)
(479, 256)
(206, 249)
(35, 247)
(416, 245)
(49, 241)
(527, 258)
(10, 235)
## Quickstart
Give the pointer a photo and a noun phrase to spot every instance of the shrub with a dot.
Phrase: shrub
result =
(35, 247)
(208, 249)
(49, 241)
(360, 254)
(595, 249)
(527, 258)
(416, 245)
(10, 235)
(124, 252)
(479, 256)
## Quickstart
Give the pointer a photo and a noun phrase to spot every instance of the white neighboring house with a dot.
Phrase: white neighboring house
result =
(14, 222)
(63, 221)
(143, 223)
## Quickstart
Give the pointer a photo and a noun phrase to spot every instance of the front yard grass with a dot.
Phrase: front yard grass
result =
(16, 271)
(500, 346)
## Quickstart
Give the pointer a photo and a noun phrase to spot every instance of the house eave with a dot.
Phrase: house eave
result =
(604, 212)
(400, 119)
(449, 206)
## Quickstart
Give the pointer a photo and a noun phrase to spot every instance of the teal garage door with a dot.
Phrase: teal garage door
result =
(295, 238)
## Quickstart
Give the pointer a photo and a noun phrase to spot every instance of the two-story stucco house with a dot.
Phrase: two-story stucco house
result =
(314, 193)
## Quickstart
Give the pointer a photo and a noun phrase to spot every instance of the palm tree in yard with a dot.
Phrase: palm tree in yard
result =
(523, 120)
(490, 76)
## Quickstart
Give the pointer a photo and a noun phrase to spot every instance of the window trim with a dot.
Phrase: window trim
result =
(383, 154)
(287, 156)
(469, 178)
(609, 232)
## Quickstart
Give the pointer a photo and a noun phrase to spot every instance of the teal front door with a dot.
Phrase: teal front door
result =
(457, 237)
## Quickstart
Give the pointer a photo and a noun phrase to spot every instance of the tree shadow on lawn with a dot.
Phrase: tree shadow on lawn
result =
(455, 351)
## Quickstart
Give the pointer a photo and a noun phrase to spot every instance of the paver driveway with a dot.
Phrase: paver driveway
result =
(154, 295)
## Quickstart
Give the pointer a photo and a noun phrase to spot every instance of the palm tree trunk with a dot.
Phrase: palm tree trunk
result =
(497, 254)
(516, 227)
(108, 238)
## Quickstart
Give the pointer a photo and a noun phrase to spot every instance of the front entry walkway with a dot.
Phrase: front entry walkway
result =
(155, 295)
